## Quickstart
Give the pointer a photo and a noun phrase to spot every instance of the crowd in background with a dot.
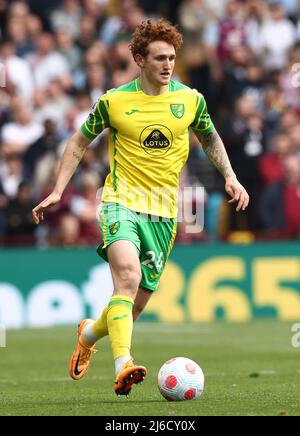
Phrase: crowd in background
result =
(61, 56)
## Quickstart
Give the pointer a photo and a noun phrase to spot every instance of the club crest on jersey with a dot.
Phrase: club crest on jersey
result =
(114, 228)
(177, 110)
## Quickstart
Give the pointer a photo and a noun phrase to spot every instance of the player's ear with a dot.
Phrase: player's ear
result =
(140, 60)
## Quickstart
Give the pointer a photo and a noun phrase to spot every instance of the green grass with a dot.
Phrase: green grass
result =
(250, 369)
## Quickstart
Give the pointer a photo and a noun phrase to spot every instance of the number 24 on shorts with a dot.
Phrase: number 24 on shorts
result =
(150, 262)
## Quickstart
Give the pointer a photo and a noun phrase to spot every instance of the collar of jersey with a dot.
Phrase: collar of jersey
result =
(139, 89)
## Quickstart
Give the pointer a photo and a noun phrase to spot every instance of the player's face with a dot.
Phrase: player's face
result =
(159, 64)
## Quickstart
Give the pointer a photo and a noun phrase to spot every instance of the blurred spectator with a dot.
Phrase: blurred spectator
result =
(289, 118)
(291, 7)
(291, 196)
(273, 106)
(3, 17)
(295, 138)
(88, 32)
(280, 206)
(271, 164)
(5, 101)
(64, 132)
(17, 70)
(18, 25)
(67, 47)
(95, 73)
(19, 225)
(243, 76)
(20, 134)
(90, 165)
(123, 65)
(68, 232)
(11, 175)
(41, 155)
(48, 64)
(124, 24)
(97, 9)
(67, 17)
(199, 51)
(256, 15)
(231, 30)
(34, 27)
(54, 214)
(19, 10)
(202, 173)
(17, 33)
(217, 6)
(286, 81)
(52, 104)
(277, 38)
(83, 206)
(164, 8)
(43, 10)
(3, 203)
(83, 104)
(245, 136)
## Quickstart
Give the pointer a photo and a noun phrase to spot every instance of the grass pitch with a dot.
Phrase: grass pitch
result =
(250, 369)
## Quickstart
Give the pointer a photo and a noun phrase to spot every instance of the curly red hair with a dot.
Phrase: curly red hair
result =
(150, 31)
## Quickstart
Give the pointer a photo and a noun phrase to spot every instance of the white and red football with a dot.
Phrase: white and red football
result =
(180, 379)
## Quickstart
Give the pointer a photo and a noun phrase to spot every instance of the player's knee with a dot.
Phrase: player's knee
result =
(130, 278)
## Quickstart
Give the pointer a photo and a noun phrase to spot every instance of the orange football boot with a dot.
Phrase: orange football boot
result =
(81, 358)
(130, 375)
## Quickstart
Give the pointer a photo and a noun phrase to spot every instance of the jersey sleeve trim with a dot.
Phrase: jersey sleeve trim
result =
(199, 112)
(103, 113)
(207, 129)
(202, 122)
(86, 131)
(98, 119)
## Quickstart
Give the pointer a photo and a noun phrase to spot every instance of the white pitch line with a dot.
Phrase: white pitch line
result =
(49, 380)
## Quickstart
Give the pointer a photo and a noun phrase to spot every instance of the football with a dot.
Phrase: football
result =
(180, 379)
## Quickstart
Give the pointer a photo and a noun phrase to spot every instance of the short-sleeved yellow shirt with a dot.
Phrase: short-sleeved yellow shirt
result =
(148, 143)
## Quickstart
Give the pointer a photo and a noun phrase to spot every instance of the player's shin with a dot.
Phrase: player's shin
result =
(120, 325)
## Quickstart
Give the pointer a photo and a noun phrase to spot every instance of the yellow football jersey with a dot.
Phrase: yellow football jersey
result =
(148, 143)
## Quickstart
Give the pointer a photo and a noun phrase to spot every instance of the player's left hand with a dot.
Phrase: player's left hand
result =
(237, 193)
(38, 211)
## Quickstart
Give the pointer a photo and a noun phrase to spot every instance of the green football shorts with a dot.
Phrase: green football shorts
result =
(153, 238)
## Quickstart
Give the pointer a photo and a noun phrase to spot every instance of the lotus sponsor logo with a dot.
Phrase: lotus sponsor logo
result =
(156, 140)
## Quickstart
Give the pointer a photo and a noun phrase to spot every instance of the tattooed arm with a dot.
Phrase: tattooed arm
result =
(72, 156)
(215, 150)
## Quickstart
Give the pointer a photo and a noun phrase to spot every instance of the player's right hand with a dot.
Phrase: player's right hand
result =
(38, 211)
